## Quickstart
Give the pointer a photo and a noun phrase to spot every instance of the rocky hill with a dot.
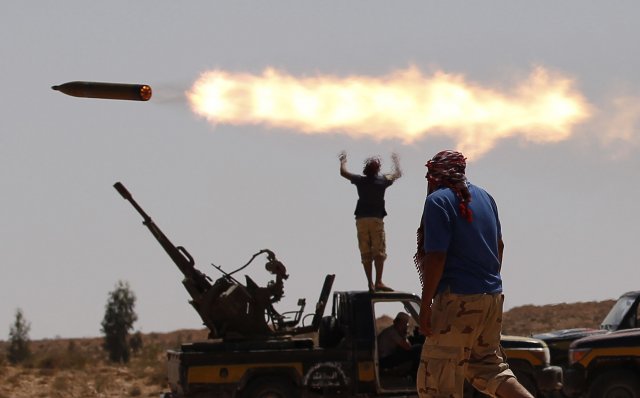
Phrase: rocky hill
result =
(531, 319)
(73, 368)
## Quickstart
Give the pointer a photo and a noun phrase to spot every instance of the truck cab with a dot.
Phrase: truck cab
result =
(528, 357)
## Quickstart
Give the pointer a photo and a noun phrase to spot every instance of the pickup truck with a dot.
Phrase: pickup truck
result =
(340, 360)
(605, 366)
(624, 314)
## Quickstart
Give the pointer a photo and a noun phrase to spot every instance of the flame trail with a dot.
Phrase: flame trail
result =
(404, 105)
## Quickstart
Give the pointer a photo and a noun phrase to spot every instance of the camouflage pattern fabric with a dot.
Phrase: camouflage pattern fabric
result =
(371, 239)
(465, 344)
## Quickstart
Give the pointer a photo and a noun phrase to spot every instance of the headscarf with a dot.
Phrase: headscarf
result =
(445, 169)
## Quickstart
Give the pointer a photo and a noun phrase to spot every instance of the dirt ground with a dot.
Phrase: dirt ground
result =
(78, 368)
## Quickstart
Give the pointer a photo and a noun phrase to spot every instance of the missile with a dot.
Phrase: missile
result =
(118, 91)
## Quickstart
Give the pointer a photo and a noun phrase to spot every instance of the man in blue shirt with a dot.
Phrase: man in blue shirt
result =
(459, 258)
(370, 212)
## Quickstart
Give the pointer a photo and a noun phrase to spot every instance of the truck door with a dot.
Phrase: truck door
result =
(397, 346)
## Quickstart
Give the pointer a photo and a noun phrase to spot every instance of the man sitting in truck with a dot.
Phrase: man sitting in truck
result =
(393, 347)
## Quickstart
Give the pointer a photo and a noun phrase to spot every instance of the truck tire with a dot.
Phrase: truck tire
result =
(524, 374)
(615, 384)
(270, 387)
(527, 381)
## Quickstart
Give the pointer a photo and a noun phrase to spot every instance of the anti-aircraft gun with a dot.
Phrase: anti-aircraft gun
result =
(229, 309)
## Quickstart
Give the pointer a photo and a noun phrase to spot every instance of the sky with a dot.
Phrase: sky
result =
(224, 191)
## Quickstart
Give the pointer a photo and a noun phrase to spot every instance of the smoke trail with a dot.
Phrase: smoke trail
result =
(405, 105)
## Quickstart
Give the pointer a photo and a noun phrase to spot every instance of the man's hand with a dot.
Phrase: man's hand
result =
(395, 159)
(396, 171)
(425, 320)
(342, 156)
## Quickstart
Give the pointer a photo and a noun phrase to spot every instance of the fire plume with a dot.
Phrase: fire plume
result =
(405, 105)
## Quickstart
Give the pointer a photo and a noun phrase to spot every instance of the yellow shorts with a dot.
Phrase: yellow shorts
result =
(371, 239)
(465, 345)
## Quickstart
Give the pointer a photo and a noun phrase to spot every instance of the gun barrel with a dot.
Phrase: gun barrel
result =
(178, 254)
(122, 190)
(197, 283)
(127, 196)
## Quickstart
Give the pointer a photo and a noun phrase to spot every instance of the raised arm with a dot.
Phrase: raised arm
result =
(343, 165)
(396, 172)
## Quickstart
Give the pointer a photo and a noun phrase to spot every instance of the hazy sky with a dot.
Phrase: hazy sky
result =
(569, 210)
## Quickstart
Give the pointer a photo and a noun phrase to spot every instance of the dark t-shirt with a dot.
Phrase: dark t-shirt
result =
(370, 195)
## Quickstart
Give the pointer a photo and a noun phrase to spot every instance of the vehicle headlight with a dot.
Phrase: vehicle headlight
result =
(544, 355)
(536, 356)
(577, 354)
(541, 354)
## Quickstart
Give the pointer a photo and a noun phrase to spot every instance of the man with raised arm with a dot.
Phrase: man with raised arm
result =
(370, 211)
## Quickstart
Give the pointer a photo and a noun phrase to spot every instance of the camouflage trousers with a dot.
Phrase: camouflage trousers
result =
(371, 239)
(465, 344)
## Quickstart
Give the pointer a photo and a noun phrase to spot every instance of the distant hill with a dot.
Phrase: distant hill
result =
(531, 319)
(77, 368)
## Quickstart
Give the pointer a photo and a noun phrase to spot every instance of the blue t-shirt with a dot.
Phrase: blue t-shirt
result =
(472, 265)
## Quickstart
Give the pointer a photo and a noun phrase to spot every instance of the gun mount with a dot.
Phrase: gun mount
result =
(228, 308)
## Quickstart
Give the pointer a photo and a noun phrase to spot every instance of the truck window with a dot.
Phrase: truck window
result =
(397, 356)
(386, 311)
(617, 313)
